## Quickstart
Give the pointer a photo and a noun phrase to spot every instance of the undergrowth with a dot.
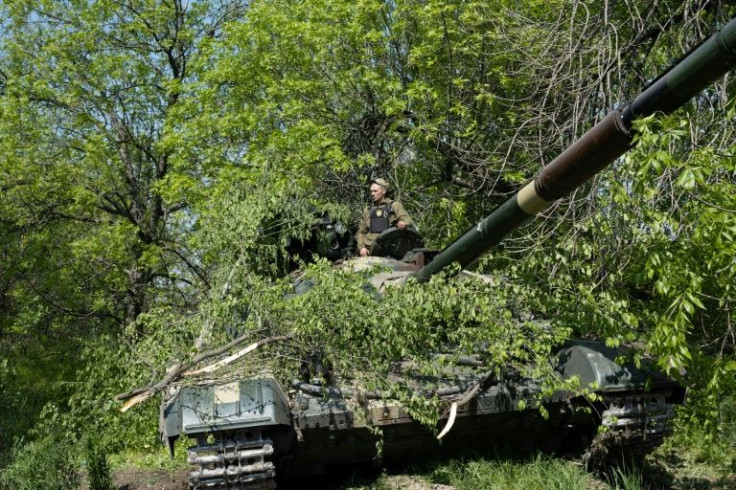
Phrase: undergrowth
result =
(539, 473)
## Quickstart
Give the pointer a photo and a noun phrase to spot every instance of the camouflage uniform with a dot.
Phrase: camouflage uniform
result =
(367, 234)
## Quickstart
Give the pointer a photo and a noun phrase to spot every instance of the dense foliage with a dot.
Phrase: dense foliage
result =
(157, 158)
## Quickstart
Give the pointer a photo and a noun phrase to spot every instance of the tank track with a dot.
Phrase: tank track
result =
(235, 461)
(632, 426)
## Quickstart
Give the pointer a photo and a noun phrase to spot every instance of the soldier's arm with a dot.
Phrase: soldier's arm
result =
(401, 214)
(362, 229)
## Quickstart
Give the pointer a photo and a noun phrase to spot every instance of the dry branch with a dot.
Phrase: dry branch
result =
(462, 400)
(236, 356)
(141, 394)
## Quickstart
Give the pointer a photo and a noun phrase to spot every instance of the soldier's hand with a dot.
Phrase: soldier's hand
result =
(364, 252)
(400, 225)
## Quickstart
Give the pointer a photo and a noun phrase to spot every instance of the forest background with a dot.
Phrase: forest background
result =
(156, 157)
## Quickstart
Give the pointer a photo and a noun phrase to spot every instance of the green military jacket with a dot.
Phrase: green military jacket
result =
(364, 237)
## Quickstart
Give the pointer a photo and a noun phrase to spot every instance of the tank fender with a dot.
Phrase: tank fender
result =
(252, 402)
(595, 365)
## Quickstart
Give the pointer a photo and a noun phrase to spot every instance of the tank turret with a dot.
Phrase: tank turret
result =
(594, 151)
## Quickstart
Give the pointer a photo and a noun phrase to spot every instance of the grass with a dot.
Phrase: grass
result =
(152, 458)
(697, 463)
(541, 472)
(488, 471)
(676, 466)
(627, 478)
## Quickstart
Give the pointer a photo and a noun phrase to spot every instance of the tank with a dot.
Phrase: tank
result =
(248, 431)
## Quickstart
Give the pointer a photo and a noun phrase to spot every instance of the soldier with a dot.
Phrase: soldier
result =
(383, 214)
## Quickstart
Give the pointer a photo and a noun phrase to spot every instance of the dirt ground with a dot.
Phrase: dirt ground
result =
(140, 479)
(403, 482)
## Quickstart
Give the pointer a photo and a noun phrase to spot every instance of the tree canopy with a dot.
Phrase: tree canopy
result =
(157, 157)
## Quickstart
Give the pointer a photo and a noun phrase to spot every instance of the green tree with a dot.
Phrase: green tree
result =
(89, 241)
(89, 89)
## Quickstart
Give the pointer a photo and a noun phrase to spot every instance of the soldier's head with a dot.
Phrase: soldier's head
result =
(379, 189)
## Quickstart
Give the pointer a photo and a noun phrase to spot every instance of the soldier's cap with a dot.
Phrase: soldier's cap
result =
(382, 182)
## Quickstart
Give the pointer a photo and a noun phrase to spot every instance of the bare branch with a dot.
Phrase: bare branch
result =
(142, 394)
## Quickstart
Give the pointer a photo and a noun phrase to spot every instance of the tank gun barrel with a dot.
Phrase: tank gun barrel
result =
(595, 150)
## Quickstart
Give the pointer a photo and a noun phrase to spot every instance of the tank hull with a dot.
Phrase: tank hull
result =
(247, 432)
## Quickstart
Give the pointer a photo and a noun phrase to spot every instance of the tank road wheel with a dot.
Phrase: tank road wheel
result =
(631, 427)
(236, 460)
